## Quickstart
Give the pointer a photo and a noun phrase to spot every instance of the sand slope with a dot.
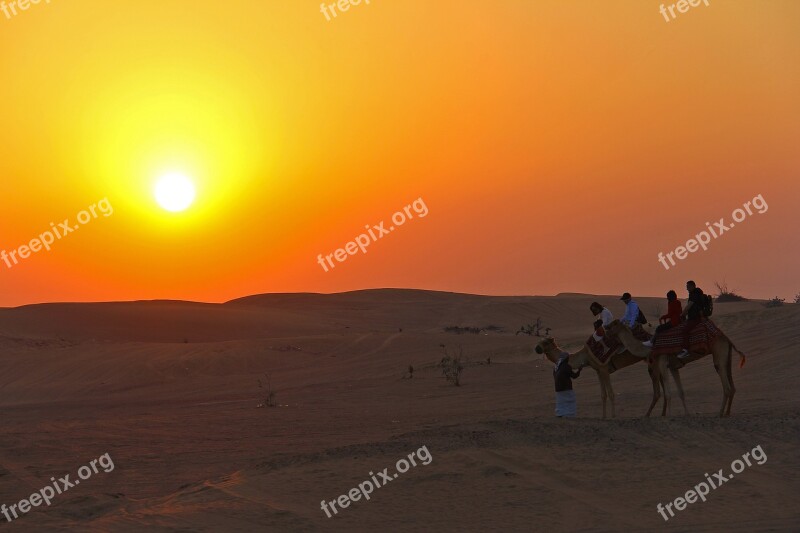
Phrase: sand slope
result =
(169, 390)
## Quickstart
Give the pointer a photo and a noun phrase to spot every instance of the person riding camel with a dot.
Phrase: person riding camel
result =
(631, 311)
(603, 318)
(669, 320)
(693, 313)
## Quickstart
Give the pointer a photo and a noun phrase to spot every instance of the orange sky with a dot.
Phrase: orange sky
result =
(558, 145)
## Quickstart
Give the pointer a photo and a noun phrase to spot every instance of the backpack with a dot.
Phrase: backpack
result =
(641, 318)
(708, 305)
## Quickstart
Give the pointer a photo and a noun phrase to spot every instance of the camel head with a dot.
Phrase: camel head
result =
(548, 343)
(548, 347)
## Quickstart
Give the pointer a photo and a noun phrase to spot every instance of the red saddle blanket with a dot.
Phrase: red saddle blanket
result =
(701, 339)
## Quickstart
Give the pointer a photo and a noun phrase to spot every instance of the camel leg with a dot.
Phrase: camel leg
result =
(677, 377)
(662, 370)
(721, 371)
(611, 396)
(658, 377)
(732, 388)
(656, 390)
(603, 393)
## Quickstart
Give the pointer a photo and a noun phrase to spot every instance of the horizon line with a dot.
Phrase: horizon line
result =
(302, 293)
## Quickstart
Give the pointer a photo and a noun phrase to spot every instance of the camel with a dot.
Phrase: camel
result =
(722, 352)
(584, 357)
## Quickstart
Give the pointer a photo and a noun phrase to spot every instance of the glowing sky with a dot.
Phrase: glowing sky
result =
(558, 145)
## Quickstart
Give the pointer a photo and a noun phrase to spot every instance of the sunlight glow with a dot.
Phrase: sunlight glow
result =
(174, 192)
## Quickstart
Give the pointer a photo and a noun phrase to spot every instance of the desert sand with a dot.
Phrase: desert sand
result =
(170, 391)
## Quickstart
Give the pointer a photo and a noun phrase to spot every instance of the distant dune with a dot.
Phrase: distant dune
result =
(290, 314)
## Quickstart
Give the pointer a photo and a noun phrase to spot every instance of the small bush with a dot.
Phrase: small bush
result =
(797, 298)
(452, 365)
(727, 295)
(285, 348)
(775, 302)
(270, 400)
(458, 330)
(534, 329)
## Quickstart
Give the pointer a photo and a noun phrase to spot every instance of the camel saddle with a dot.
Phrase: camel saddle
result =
(605, 347)
(610, 345)
(701, 339)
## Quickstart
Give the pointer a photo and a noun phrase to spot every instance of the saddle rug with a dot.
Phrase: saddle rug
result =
(701, 339)
(603, 349)
(610, 344)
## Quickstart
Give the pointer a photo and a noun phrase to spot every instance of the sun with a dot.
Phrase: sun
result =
(174, 192)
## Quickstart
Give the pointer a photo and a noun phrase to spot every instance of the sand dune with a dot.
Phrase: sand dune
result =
(169, 390)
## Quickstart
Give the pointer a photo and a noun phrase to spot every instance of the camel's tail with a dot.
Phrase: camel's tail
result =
(743, 357)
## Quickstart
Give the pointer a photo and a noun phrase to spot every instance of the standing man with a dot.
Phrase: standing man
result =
(566, 404)
(694, 313)
(631, 311)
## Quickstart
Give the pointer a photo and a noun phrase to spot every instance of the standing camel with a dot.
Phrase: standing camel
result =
(584, 357)
(721, 350)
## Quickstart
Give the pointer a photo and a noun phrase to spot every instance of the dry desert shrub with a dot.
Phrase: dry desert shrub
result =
(458, 330)
(270, 400)
(534, 329)
(452, 364)
(775, 302)
(727, 295)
